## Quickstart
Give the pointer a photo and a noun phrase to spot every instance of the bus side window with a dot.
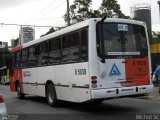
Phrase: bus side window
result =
(32, 60)
(84, 45)
(70, 52)
(17, 60)
(24, 58)
(54, 51)
(20, 59)
(43, 53)
(11, 63)
(13, 60)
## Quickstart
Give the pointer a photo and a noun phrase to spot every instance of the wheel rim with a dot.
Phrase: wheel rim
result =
(51, 96)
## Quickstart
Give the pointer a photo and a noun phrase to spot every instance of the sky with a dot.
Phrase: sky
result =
(50, 13)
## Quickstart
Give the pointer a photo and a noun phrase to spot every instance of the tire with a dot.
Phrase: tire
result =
(51, 96)
(20, 95)
(97, 102)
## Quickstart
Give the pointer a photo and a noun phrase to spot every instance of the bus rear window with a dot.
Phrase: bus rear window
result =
(124, 39)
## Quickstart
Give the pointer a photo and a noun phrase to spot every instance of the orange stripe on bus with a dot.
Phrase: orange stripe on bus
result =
(17, 48)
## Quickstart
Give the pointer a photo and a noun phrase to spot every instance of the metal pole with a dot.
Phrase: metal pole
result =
(159, 9)
(68, 15)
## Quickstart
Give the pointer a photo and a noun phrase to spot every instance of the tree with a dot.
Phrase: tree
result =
(111, 8)
(4, 57)
(50, 31)
(81, 10)
(155, 36)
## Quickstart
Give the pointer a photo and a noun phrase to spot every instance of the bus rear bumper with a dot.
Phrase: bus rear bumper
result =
(120, 92)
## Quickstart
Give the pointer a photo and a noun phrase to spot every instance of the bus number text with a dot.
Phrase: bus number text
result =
(80, 71)
(139, 62)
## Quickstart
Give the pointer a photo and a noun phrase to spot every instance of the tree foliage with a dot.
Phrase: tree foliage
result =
(4, 57)
(155, 36)
(50, 31)
(81, 10)
(111, 8)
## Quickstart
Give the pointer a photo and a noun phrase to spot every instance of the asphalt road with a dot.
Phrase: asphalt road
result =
(36, 108)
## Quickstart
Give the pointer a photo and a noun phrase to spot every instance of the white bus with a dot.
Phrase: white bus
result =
(93, 60)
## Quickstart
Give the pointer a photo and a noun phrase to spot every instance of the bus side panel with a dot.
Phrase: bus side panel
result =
(73, 94)
(29, 79)
(12, 85)
(73, 82)
(44, 74)
(16, 76)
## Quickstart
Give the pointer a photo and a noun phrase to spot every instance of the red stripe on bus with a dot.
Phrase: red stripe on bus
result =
(17, 76)
(137, 71)
(17, 48)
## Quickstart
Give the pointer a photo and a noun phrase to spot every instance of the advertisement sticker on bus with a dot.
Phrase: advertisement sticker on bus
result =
(27, 74)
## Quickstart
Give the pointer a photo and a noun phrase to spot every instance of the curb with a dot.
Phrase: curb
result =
(154, 95)
(156, 98)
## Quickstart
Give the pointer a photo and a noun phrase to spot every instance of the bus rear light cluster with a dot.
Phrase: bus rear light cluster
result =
(93, 79)
(1, 99)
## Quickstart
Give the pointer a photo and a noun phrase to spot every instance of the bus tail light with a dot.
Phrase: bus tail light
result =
(93, 79)
(1, 99)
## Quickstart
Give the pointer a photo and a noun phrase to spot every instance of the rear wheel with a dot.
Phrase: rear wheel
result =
(51, 96)
(20, 95)
(97, 102)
